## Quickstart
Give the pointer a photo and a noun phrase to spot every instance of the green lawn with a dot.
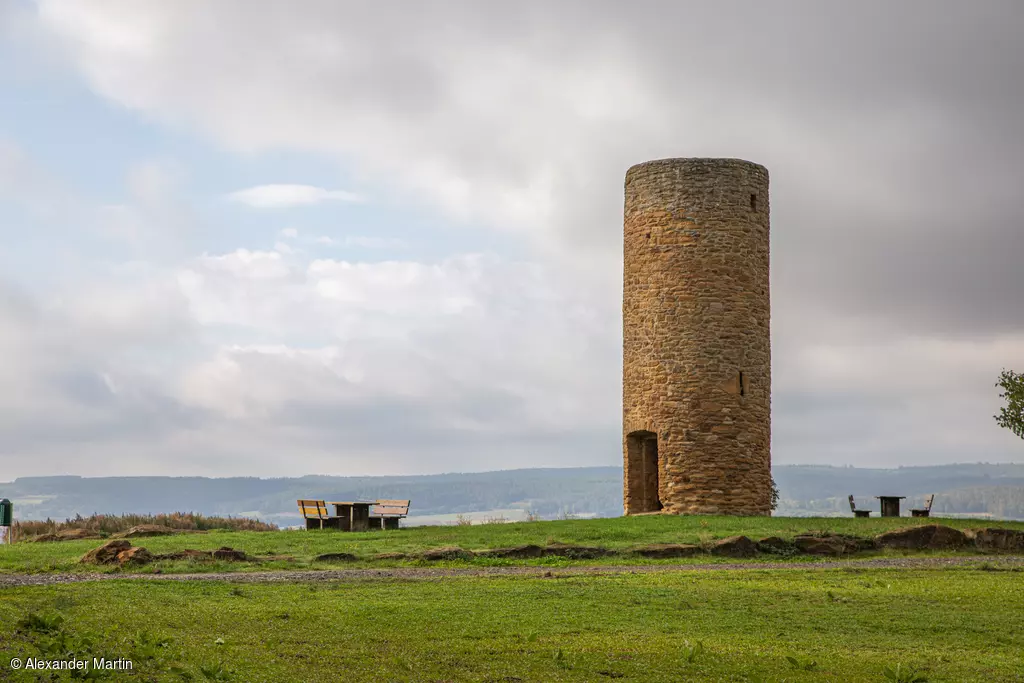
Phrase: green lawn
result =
(955, 625)
(615, 533)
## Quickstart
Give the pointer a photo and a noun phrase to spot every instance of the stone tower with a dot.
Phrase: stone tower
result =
(696, 376)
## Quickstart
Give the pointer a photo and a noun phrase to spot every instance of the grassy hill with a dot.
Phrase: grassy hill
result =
(298, 549)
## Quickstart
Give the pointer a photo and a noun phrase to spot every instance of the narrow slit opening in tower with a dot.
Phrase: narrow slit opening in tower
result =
(753, 202)
(743, 387)
(643, 472)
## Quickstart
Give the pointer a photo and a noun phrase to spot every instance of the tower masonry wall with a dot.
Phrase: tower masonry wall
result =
(696, 339)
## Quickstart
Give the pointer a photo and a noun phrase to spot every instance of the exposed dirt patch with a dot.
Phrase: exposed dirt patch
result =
(106, 553)
(773, 545)
(929, 536)
(145, 530)
(336, 557)
(391, 556)
(576, 552)
(135, 555)
(832, 544)
(448, 552)
(67, 535)
(997, 539)
(521, 552)
(734, 546)
(186, 554)
(662, 551)
(230, 555)
(121, 551)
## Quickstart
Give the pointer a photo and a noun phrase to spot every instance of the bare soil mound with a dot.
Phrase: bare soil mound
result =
(662, 551)
(336, 557)
(67, 535)
(144, 530)
(448, 552)
(929, 536)
(519, 552)
(106, 553)
(576, 552)
(734, 546)
(995, 538)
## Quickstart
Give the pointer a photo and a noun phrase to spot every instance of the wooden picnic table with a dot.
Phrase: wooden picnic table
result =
(353, 515)
(890, 505)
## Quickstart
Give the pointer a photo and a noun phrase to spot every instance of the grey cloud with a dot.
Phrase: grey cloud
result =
(893, 132)
(55, 391)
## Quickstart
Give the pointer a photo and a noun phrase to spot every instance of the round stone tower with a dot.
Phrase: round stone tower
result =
(696, 376)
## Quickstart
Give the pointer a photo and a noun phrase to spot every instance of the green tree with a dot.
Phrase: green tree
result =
(1011, 415)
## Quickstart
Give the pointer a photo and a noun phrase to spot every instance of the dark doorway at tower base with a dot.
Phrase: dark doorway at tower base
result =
(642, 473)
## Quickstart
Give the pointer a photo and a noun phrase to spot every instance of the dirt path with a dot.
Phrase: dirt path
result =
(426, 573)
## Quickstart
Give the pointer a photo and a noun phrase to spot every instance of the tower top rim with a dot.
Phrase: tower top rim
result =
(696, 162)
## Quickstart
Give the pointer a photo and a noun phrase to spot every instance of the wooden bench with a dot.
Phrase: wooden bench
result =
(388, 512)
(316, 515)
(856, 512)
(926, 510)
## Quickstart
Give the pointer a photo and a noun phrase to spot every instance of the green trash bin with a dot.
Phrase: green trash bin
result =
(6, 521)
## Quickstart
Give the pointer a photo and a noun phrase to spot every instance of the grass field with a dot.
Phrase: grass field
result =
(615, 533)
(954, 625)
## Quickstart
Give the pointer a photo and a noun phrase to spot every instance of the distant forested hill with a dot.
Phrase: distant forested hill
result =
(997, 490)
(978, 488)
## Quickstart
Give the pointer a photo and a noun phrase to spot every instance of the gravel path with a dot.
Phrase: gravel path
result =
(427, 573)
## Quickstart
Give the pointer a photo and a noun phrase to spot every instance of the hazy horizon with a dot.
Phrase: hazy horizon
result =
(493, 471)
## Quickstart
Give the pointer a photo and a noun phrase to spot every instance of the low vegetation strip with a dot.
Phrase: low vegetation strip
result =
(801, 625)
(621, 540)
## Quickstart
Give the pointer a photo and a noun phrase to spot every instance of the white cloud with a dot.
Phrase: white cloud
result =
(356, 363)
(360, 241)
(284, 196)
(437, 333)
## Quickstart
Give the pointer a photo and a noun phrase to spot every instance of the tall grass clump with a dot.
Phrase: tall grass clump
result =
(113, 523)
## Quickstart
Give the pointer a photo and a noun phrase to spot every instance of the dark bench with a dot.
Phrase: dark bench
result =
(926, 510)
(856, 512)
(386, 513)
(316, 515)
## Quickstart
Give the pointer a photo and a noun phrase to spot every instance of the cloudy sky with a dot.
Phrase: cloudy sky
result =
(263, 238)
